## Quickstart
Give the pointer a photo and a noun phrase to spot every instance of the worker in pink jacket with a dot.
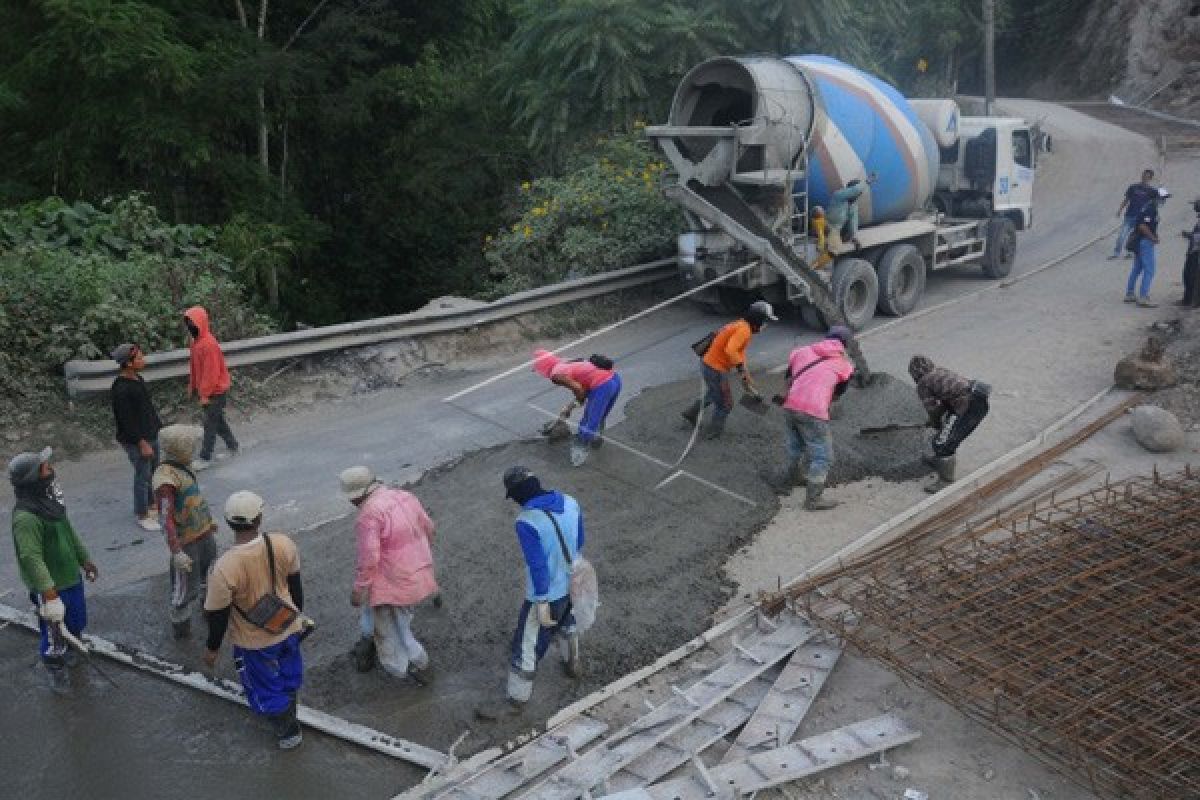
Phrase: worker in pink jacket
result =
(394, 570)
(815, 375)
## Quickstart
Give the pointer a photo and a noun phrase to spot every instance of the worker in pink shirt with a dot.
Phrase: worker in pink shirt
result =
(815, 375)
(595, 385)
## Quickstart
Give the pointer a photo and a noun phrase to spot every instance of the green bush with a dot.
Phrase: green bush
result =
(75, 281)
(605, 212)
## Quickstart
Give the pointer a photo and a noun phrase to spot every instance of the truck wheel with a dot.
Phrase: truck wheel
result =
(1001, 248)
(855, 290)
(812, 318)
(901, 279)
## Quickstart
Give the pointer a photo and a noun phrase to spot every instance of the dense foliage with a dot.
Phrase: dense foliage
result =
(356, 154)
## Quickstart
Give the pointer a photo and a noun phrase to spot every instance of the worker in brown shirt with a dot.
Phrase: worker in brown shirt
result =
(955, 406)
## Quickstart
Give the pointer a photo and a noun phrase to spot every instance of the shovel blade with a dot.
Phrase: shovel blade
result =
(754, 403)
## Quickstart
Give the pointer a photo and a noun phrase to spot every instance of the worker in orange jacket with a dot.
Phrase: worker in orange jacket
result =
(728, 352)
(209, 379)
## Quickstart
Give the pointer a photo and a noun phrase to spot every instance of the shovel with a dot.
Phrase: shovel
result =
(890, 428)
(754, 402)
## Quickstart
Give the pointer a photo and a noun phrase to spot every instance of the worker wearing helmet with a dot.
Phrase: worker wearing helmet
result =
(727, 351)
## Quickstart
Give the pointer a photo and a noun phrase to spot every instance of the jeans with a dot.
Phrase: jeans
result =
(809, 439)
(214, 426)
(956, 428)
(143, 469)
(1143, 264)
(1127, 224)
(394, 640)
(599, 403)
(718, 394)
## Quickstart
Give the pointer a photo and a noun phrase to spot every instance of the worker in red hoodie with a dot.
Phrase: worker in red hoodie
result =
(209, 379)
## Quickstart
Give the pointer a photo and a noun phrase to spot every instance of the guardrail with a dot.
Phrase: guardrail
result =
(84, 377)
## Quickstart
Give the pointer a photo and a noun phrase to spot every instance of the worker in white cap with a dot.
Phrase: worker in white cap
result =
(258, 579)
(393, 573)
(720, 352)
(50, 557)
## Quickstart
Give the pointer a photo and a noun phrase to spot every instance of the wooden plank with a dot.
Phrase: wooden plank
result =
(779, 715)
(781, 765)
(598, 764)
(348, 731)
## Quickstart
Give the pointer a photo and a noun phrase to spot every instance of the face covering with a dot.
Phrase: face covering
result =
(192, 329)
(43, 497)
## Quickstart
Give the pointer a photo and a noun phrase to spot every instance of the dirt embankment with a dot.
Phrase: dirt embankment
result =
(659, 553)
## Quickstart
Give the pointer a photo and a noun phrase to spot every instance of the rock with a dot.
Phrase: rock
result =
(1149, 369)
(1157, 429)
(900, 773)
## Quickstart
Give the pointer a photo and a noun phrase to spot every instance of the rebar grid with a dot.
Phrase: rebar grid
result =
(1073, 629)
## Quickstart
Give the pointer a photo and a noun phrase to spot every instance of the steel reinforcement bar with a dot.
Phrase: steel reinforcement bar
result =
(84, 377)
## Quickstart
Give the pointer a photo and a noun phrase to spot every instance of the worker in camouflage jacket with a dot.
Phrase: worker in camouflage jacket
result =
(955, 406)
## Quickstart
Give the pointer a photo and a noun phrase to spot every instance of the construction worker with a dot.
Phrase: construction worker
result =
(842, 215)
(50, 556)
(137, 425)
(815, 376)
(728, 351)
(259, 579)
(955, 406)
(596, 386)
(394, 569)
(188, 525)
(209, 378)
(549, 529)
(820, 229)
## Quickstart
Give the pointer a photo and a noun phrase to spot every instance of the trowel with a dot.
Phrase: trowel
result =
(557, 429)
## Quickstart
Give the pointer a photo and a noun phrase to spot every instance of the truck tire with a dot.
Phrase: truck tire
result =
(855, 290)
(1001, 248)
(901, 279)
(812, 318)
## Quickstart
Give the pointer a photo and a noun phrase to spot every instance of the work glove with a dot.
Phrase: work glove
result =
(181, 561)
(53, 611)
(545, 615)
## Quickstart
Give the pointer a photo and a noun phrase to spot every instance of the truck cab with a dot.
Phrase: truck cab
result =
(988, 171)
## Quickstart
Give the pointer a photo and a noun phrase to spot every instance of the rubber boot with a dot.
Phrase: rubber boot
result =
(421, 676)
(790, 477)
(57, 677)
(692, 413)
(287, 728)
(715, 428)
(945, 474)
(363, 654)
(814, 501)
(579, 453)
(181, 630)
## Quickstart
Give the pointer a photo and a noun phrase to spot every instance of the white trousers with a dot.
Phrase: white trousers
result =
(394, 640)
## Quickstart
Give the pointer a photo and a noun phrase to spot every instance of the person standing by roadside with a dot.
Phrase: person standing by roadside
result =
(1145, 237)
(549, 529)
(955, 406)
(726, 352)
(50, 556)
(394, 569)
(1136, 197)
(258, 579)
(190, 530)
(137, 429)
(209, 379)
(596, 386)
(816, 375)
(1191, 265)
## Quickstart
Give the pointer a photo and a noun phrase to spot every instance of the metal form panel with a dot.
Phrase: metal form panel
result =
(598, 764)
(778, 717)
(698, 735)
(806, 757)
(519, 767)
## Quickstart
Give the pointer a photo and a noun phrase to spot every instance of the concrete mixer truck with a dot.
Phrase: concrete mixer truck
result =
(756, 143)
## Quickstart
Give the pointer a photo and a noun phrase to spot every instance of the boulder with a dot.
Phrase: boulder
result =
(1157, 429)
(1149, 369)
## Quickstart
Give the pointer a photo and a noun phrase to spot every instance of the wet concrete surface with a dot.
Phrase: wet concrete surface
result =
(149, 738)
(658, 551)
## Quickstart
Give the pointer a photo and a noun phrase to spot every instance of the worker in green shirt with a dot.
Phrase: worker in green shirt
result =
(50, 556)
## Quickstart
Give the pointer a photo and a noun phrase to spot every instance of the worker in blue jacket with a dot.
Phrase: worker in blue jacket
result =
(549, 529)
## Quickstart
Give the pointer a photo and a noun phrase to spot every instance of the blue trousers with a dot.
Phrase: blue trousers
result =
(76, 621)
(271, 676)
(1127, 224)
(530, 640)
(1143, 264)
(143, 470)
(718, 394)
(599, 403)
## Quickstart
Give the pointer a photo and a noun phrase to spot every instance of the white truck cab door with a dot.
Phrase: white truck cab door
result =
(1013, 190)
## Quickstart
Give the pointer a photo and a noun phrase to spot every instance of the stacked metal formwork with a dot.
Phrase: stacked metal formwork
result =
(1073, 629)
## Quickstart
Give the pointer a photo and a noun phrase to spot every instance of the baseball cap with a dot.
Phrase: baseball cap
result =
(243, 508)
(764, 308)
(24, 467)
(357, 482)
(122, 353)
(514, 477)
